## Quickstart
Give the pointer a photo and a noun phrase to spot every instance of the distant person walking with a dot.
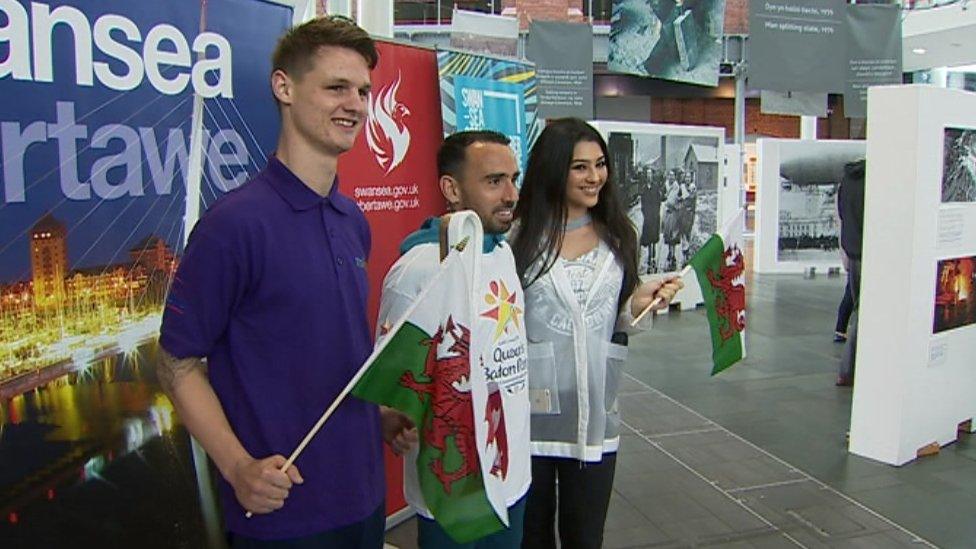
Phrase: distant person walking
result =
(850, 207)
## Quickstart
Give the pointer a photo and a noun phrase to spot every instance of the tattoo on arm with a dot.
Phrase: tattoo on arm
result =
(171, 369)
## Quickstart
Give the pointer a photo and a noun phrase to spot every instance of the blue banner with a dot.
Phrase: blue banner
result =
(94, 145)
(243, 129)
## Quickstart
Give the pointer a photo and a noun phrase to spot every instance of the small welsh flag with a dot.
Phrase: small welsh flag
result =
(426, 367)
(720, 268)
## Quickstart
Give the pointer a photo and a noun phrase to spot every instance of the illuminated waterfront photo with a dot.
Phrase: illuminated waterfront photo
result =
(63, 317)
(97, 457)
(97, 159)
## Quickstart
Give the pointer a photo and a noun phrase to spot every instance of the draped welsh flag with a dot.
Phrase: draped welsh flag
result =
(425, 367)
(721, 274)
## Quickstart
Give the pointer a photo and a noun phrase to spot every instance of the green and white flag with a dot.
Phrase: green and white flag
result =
(425, 367)
(720, 267)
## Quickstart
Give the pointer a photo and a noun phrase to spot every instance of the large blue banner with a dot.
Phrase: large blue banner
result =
(243, 129)
(95, 123)
(95, 128)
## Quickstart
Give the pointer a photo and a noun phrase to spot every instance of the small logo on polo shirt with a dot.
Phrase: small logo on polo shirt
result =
(361, 262)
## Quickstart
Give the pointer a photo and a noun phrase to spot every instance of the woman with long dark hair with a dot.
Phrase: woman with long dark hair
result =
(576, 253)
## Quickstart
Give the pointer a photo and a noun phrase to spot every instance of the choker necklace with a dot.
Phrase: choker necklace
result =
(580, 221)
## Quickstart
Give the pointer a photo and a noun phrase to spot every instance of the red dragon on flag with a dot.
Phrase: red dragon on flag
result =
(730, 292)
(720, 268)
(449, 389)
(497, 437)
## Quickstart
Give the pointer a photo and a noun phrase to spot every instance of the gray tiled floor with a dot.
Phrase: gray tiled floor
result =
(756, 457)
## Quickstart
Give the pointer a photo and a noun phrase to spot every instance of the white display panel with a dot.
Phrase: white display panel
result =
(671, 179)
(796, 207)
(733, 195)
(915, 376)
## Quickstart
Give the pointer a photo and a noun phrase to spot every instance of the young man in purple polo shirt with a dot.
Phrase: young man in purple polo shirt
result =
(271, 291)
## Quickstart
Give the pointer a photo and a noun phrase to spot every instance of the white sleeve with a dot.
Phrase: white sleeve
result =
(626, 316)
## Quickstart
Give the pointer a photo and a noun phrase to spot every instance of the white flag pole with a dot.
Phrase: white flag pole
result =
(657, 300)
(335, 403)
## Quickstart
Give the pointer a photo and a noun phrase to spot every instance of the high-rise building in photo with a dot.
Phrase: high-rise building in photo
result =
(49, 261)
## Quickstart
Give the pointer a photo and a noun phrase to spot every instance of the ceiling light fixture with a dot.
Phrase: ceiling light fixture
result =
(919, 51)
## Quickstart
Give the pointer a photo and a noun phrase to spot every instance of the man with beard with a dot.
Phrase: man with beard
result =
(477, 171)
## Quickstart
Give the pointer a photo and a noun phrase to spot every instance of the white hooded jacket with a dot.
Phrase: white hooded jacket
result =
(574, 368)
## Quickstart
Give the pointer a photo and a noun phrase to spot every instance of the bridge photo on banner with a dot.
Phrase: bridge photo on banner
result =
(100, 101)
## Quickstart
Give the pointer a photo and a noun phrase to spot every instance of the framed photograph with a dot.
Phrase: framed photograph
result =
(680, 41)
(955, 304)
(959, 165)
(669, 178)
(796, 207)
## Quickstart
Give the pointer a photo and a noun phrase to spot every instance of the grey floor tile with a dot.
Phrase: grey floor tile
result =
(851, 485)
(629, 386)
(727, 461)
(708, 530)
(623, 515)
(962, 478)
(642, 461)
(779, 504)
(880, 540)
(640, 536)
(653, 415)
(675, 505)
(776, 540)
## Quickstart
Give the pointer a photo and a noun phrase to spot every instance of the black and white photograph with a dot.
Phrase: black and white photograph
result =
(810, 174)
(959, 165)
(669, 185)
(667, 39)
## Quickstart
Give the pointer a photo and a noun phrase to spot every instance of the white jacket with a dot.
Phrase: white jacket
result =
(574, 369)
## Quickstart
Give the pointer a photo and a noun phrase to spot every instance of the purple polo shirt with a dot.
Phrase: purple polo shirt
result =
(272, 291)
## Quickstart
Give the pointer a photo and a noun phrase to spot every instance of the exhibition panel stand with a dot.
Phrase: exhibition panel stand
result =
(915, 376)
(796, 204)
(731, 187)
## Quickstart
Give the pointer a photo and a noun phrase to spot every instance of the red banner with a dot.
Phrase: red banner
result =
(392, 174)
